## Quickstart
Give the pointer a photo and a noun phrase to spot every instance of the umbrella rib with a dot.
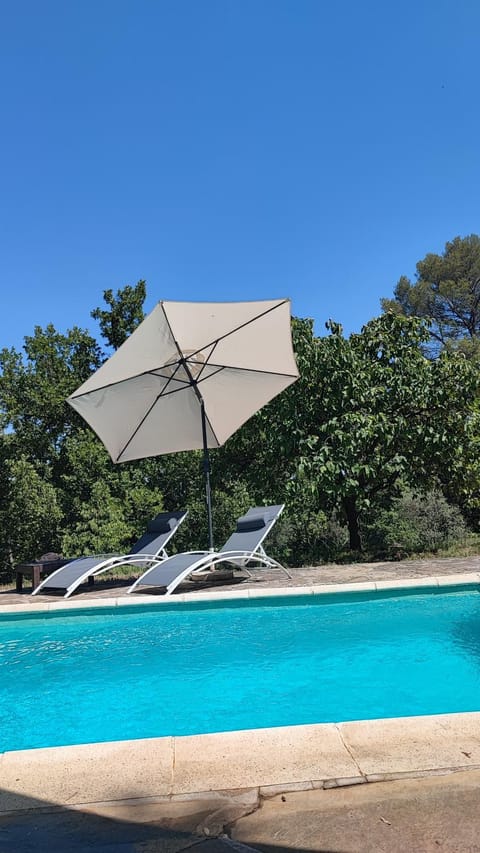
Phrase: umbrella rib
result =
(207, 361)
(171, 332)
(212, 344)
(207, 419)
(142, 421)
(248, 322)
(147, 413)
(219, 369)
(253, 320)
(227, 334)
(185, 383)
(139, 425)
(193, 383)
(118, 382)
(248, 370)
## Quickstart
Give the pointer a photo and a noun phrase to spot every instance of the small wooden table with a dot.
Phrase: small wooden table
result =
(35, 570)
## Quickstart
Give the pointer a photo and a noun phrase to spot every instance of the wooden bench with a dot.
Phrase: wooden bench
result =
(35, 570)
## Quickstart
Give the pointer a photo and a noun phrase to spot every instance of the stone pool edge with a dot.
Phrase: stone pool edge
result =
(264, 761)
(442, 581)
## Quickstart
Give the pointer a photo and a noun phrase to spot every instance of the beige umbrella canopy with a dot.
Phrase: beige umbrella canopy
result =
(188, 377)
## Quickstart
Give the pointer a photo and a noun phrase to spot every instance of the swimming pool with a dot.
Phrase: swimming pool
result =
(149, 671)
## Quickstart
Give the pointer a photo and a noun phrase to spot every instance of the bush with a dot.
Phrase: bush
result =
(29, 515)
(416, 523)
(296, 539)
(334, 542)
(100, 528)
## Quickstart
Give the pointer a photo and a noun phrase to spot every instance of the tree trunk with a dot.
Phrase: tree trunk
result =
(351, 513)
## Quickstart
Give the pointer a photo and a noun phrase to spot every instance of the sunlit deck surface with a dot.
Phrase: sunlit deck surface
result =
(271, 579)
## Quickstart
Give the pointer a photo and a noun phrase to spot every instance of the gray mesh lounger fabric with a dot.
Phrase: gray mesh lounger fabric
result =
(149, 548)
(244, 545)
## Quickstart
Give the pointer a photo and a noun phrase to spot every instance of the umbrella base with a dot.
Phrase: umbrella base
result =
(212, 576)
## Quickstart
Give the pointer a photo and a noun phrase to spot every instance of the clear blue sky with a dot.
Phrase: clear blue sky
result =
(231, 150)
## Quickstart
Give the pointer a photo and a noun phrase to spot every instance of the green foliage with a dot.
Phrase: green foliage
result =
(227, 505)
(384, 414)
(446, 292)
(415, 523)
(124, 314)
(30, 515)
(334, 543)
(298, 538)
(179, 476)
(263, 453)
(34, 387)
(368, 415)
(101, 526)
(462, 484)
(85, 462)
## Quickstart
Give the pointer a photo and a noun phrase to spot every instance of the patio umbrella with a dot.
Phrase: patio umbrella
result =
(188, 377)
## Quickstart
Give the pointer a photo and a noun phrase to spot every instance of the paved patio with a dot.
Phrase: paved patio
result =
(306, 576)
(414, 816)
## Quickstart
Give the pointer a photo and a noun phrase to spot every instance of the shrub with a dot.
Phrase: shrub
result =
(29, 515)
(100, 528)
(297, 538)
(415, 523)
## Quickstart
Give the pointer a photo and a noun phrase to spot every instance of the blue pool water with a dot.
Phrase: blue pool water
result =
(134, 672)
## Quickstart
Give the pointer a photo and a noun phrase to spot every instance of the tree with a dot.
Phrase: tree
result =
(64, 461)
(102, 501)
(30, 514)
(99, 527)
(368, 415)
(384, 415)
(270, 440)
(34, 388)
(264, 453)
(462, 484)
(447, 293)
(124, 314)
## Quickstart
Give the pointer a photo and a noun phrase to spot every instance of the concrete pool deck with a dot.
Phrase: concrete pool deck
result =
(318, 576)
(235, 771)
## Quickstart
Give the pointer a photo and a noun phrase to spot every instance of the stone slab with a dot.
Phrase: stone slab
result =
(453, 580)
(406, 744)
(85, 773)
(417, 816)
(260, 757)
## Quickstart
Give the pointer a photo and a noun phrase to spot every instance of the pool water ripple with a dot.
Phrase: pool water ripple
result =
(147, 672)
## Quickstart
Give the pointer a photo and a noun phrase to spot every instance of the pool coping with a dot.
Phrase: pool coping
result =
(265, 761)
(442, 581)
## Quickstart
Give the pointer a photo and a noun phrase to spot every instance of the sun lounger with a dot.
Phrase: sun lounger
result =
(242, 548)
(149, 548)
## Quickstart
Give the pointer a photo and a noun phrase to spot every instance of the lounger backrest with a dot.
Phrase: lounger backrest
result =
(252, 528)
(158, 532)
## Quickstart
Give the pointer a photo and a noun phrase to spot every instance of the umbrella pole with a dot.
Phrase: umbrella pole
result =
(206, 469)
